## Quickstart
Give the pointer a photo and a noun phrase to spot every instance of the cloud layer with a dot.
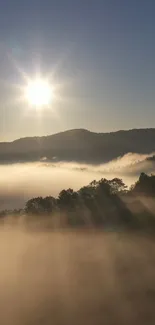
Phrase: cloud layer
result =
(19, 182)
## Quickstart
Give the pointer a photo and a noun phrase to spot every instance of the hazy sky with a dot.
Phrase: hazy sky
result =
(99, 53)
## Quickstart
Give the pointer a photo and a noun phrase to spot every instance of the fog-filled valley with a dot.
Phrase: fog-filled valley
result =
(77, 162)
(21, 181)
(76, 278)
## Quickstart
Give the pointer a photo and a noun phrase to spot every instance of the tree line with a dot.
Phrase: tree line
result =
(103, 203)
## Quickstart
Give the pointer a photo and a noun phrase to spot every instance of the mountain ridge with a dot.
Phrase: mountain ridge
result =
(79, 130)
(79, 145)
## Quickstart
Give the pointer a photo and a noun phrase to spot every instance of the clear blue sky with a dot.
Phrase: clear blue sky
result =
(100, 52)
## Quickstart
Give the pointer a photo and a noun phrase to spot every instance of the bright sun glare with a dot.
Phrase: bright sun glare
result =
(39, 93)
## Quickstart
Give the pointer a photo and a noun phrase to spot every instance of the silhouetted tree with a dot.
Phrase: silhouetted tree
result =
(40, 205)
(145, 185)
(117, 186)
(100, 203)
(67, 199)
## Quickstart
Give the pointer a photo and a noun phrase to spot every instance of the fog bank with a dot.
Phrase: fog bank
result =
(19, 182)
(84, 277)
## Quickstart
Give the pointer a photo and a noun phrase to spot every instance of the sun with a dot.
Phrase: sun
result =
(39, 93)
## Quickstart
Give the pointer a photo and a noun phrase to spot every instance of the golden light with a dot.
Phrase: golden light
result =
(39, 93)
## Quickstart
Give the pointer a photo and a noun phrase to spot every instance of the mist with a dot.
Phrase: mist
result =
(83, 277)
(68, 276)
(22, 181)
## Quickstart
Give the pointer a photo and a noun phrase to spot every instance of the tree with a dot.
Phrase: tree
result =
(40, 205)
(117, 186)
(145, 185)
(67, 199)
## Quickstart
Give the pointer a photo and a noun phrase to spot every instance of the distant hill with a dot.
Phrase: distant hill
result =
(79, 145)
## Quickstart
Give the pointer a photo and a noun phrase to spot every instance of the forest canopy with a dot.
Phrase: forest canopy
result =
(107, 203)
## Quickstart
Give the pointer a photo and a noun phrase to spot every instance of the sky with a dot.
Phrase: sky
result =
(99, 55)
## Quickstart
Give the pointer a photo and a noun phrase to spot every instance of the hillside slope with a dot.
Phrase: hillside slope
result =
(79, 145)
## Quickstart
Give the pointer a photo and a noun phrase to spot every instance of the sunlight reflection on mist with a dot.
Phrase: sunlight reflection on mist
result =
(83, 277)
(20, 182)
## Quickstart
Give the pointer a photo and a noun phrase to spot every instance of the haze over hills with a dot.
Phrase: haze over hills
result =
(79, 145)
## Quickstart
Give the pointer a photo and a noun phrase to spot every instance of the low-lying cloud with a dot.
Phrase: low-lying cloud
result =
(19, 182)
